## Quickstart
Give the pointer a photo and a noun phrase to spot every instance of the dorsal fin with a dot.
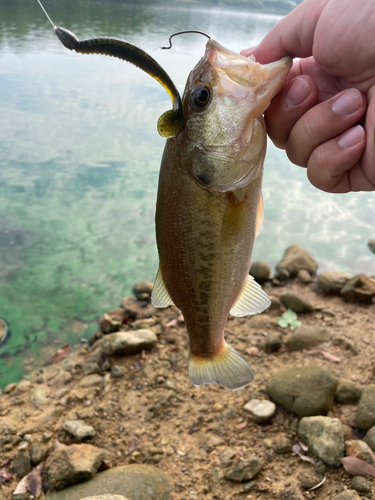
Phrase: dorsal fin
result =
(160, 296)
(253, 299)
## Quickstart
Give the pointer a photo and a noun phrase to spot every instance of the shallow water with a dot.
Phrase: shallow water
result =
(79, 162)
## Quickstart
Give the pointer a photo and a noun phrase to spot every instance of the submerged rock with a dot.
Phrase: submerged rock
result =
(296, 258)
(135, 482)
(325, 436)
(307, 390)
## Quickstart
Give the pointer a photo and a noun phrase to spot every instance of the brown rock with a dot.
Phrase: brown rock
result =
(333, 281)
(295, 303)
(110, 324)
(73, 464)
(296, 258)
(359, 449)
(359, 289)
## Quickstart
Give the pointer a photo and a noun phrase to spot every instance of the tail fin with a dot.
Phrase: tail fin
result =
(228, 369)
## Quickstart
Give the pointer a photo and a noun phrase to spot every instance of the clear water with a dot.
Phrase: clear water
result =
(79, 162)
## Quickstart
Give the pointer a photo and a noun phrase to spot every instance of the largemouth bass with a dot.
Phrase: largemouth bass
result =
(210, 209)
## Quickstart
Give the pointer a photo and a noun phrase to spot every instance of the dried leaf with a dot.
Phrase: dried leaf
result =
(296, 449)
(331, 357)
(133, 445)
(181, 453)
(31, 483)
(303, 446)
(242, 424)
(172, 322)
(357, 467)
(60, 354)
(319, 484)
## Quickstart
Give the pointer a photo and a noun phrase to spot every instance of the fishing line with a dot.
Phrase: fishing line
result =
(181, 33)
(44, 10)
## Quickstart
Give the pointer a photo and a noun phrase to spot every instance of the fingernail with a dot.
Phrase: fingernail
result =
(298, 92)
(348, 103)
(351, 137)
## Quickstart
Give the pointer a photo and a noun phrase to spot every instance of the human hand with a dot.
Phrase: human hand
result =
(328, 91)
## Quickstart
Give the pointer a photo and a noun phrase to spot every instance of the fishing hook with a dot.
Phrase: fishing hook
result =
(181, 33)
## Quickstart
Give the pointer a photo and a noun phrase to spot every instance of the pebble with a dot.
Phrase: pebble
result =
(38, 452)
(361, 484)
(307, 390)
(90, 368)
(307, 336)
(62, 379)
(293, 494)
(135, 481)
(273, 342)
(70, 464)
(245, 470)
(281, 276)
(117, 371)
(40, 395)
(296, 258)
(143, 287)
(79, 429)
(21, 463)
(23, 386)
(359, 449)
(366, 408)
(260, 409)
(130, 342)
(91, 380)
(226, 458)
(111, 323)
(260, 271)
(347, 392)
(304, 276)
(296, 304)
(308, 479)
(325, 436)
(331, 282)
(283, 445)
(209, 441)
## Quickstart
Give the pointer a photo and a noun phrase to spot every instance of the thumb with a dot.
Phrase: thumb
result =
(293, 35)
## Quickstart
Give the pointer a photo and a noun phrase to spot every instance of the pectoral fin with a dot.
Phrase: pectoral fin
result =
(253, 299)
(160, 296)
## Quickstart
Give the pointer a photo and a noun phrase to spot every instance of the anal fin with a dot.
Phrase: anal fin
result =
(252, 300)
(160, 296)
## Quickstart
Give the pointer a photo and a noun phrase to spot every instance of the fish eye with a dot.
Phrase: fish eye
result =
(200, 97)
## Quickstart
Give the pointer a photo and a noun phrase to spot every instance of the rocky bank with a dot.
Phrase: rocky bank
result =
(119, 420)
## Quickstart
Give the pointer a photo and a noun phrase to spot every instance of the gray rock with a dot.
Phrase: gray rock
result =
(366, 408)
(91, 380)
(296, 258)
(273, 341)
(62, 379)
(217, 475)
(111, 322)
(135, 482)
(295, 303)
(371, 245)
(72, 464)
(105, 497)
(260, 409)
(292, 494)
(359, 289)
(40, 395)
(307, 390)
(347, 495)
(245, 470)
(117, 371)
(226, 458)
(38, 452)
(308, 479)
(260, 271)
(209, 441)
(332, 281)
(307, 336)
(370, 438)
(21, 463)
(143, 287)
(325, 436)
(361, 484)
(79, 429)
(130, 342)
(347, 392)
(304, 276)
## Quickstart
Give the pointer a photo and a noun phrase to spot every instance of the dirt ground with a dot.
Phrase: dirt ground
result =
(154, 415)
